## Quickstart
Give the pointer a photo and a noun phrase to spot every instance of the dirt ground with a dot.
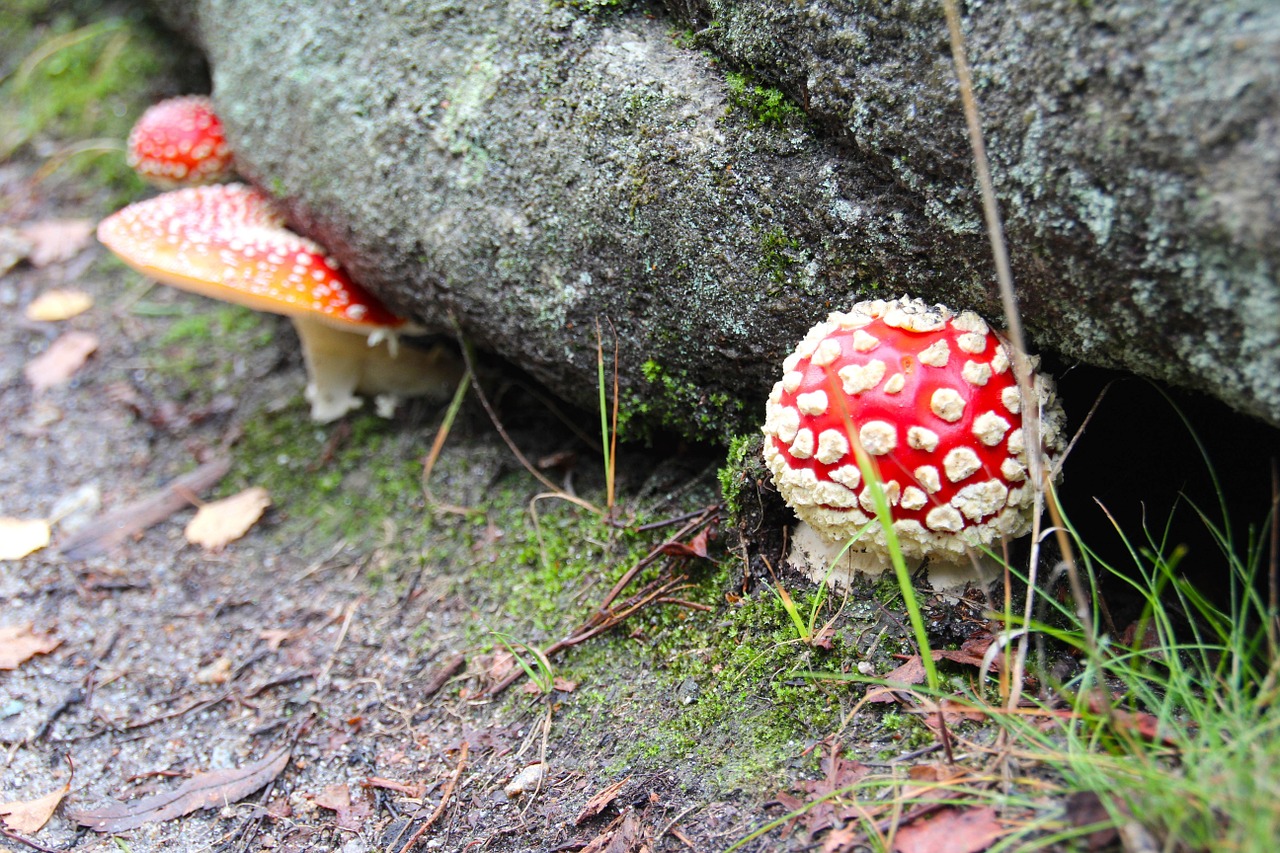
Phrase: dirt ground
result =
(173, 660)
(326, 681)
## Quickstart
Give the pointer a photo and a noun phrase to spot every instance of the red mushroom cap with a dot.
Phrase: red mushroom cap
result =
(937, 409)
(179, 141)
(228, 242)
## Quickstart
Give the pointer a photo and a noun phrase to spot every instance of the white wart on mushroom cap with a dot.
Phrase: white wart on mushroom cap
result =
(935, 405)
(228, 242)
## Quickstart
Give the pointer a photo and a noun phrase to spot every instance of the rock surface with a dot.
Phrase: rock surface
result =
(534, 167)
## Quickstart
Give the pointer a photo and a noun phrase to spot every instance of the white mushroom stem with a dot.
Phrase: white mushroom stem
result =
(342, 364)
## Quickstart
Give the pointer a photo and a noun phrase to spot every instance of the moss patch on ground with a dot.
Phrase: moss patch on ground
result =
(73, 79)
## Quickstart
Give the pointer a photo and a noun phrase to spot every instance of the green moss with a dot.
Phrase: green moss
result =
(764, 106)
(744, 450)
(684, 408)
(75, 81)
(778, 253)
(592, 7)
(331, 485)
(223, 322)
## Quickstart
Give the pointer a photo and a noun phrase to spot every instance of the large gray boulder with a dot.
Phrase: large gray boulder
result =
(534, 167)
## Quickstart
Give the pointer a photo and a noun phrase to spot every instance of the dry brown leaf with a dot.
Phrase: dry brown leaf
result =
(950, 831)
(337, 798)
(224, 521)
(57, 240)
(19, 643)
(602, 798)
(30, 816)
(58, 304)
(201, 791)
(19, 537)
(60, 361)
(276, 637)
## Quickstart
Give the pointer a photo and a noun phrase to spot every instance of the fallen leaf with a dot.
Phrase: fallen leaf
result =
(950, 831)
(276, 637)
(1085, 810)
(30, 816)
(201, 791)
(337, 798)
(57, 240)
(912, 672)
(952, 712)
(564, 685)
(218, 523)
(58, 304)
(935, 772)
(19, 537)
(218, 672)
(60, 361)
(824, 807)
(19, 643)
(842, 840)
(624, 835)
(694, 548)
(107, 531)
(599, 801)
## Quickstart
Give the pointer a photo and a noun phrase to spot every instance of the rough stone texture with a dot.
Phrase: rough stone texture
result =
(532, 167)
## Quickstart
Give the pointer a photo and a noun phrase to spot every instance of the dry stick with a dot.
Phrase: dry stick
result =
(444, 799)
(502, 432)
(599, 622)
(322, 680)
(696, 524)
(1009, 301)
(602, 619)
(22, 839)
(442, 433)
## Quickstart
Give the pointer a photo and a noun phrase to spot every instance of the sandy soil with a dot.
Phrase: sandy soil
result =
(337, 665)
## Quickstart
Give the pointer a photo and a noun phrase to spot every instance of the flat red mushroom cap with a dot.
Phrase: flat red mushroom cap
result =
(934, 403)
(179, 141)
(228, 242)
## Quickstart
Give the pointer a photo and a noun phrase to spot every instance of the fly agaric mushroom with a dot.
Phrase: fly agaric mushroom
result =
(931, 398)
(179, 141)
(228, 242)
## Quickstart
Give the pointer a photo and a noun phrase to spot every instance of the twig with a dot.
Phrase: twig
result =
(605, 617)
(502, 432)
(444, 799)
(1013, 323)
(22, 839)
(322, 680)
(107, 531)
(441, 676)
(671, 827)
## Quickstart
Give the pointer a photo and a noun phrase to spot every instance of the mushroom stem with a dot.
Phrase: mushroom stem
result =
(341, 363)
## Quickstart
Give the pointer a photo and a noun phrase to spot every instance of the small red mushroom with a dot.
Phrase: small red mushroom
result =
(228, 242)
(179, 141)
(934, 403)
